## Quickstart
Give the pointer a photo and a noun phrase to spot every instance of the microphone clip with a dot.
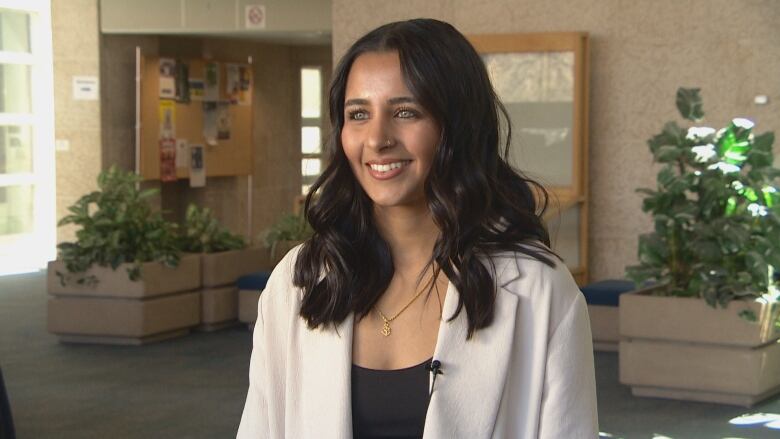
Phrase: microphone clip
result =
(435, 369)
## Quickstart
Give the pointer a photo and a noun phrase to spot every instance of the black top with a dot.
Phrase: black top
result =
(389, 403)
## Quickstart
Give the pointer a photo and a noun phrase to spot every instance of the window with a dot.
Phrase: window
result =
(26, 136)
(311, 126)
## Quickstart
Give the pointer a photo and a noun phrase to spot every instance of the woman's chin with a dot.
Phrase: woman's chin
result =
(386, 201)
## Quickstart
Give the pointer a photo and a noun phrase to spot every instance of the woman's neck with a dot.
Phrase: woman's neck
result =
(411, 234)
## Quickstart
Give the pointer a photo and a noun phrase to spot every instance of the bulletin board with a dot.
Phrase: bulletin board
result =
(186, 117)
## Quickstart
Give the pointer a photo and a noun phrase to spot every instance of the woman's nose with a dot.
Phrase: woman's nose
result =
(379, 135)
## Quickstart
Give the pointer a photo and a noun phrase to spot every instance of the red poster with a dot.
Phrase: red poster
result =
(168, 159)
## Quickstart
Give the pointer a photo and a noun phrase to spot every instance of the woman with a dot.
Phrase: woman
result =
(428, 302)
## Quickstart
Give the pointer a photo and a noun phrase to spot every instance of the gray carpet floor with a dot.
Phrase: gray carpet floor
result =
(194, 387)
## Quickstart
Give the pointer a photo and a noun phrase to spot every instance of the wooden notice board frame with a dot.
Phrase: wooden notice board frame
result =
(575, 194)
(229, 157)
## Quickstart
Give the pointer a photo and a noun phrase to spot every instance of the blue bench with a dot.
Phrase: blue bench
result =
(606, 292)
(253, 281)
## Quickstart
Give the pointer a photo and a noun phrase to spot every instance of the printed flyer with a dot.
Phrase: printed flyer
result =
(167, 78)
(197, 166)
(210, 122)
(182, 82)
(211, 86)
(167, 119)
(196, 89)
(167, 159)
(223, 121)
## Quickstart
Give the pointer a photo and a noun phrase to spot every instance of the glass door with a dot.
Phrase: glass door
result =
(27, 224)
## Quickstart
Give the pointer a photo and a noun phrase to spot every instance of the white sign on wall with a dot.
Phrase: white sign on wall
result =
(85, 88)
(254, 17)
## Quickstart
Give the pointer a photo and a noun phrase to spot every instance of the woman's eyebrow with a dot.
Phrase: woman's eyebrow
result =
(391, 101)
(402, 100)
(349, 102)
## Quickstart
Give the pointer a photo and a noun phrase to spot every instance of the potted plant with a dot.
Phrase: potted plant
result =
(289, 231)
(124, 266)
(707, 327)
(224, 258)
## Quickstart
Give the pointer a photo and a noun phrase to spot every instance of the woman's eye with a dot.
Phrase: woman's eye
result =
(358, 115)
(406, 113)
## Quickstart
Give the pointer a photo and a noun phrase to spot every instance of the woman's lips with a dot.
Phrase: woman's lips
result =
(387, 169)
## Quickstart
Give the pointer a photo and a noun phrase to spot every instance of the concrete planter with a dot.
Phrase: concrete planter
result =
(156, 280)
(219, 297)
(224, 268)
(604, 327)
(161, 304)
(122, 321)
(219, 308)
(681, 348)
(247, 306)
(280, 249)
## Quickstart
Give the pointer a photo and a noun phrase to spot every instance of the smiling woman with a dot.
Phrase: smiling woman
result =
(418, 203)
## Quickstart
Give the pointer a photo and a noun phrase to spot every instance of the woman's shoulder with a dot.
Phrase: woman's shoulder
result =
(280, 292)
(526, 274)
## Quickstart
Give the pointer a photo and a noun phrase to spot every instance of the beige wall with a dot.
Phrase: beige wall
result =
(76, 52)
(641, 52)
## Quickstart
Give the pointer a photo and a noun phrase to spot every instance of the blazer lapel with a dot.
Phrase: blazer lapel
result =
(324, 397)
(467, 395)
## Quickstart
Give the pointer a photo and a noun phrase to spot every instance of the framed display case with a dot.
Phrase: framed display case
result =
(542, 80)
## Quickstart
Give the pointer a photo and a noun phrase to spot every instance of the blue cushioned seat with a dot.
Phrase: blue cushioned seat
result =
(253, 281)
(606, 292)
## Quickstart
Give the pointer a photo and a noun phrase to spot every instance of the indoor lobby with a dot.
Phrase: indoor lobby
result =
(156, 157)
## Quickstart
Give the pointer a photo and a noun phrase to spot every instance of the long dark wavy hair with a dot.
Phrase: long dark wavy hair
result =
(480, 204)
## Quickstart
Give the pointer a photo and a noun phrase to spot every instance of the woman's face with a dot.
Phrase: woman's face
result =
(388, 137)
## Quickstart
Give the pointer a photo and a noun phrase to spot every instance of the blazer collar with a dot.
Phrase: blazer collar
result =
(465, 398)
(467, 394)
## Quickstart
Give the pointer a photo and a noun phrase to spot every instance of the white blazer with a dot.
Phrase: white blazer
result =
(528, 375)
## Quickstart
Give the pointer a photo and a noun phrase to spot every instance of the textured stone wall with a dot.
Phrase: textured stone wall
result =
(641, 52)
(76, 52)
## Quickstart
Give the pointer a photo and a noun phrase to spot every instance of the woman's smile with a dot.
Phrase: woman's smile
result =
(387, 169)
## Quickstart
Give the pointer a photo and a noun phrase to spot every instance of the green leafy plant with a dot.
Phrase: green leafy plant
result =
(116, 225)
(203, 234)
(289, 227)
(716, 211)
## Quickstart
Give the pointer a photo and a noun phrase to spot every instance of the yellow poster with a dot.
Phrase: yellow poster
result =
(167, 119)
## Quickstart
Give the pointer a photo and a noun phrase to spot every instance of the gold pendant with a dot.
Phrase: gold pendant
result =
(386, 329)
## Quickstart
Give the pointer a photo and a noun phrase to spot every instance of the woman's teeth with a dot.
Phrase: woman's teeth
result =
(388, 167)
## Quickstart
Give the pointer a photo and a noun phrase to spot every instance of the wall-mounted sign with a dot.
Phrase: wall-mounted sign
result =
(85, 88)
(254, 17)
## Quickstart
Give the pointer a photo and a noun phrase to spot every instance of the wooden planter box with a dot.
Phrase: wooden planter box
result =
(163, 303)
(681, 348)
(156, 280)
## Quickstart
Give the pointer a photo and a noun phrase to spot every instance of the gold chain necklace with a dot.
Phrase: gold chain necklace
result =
(386, 326)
